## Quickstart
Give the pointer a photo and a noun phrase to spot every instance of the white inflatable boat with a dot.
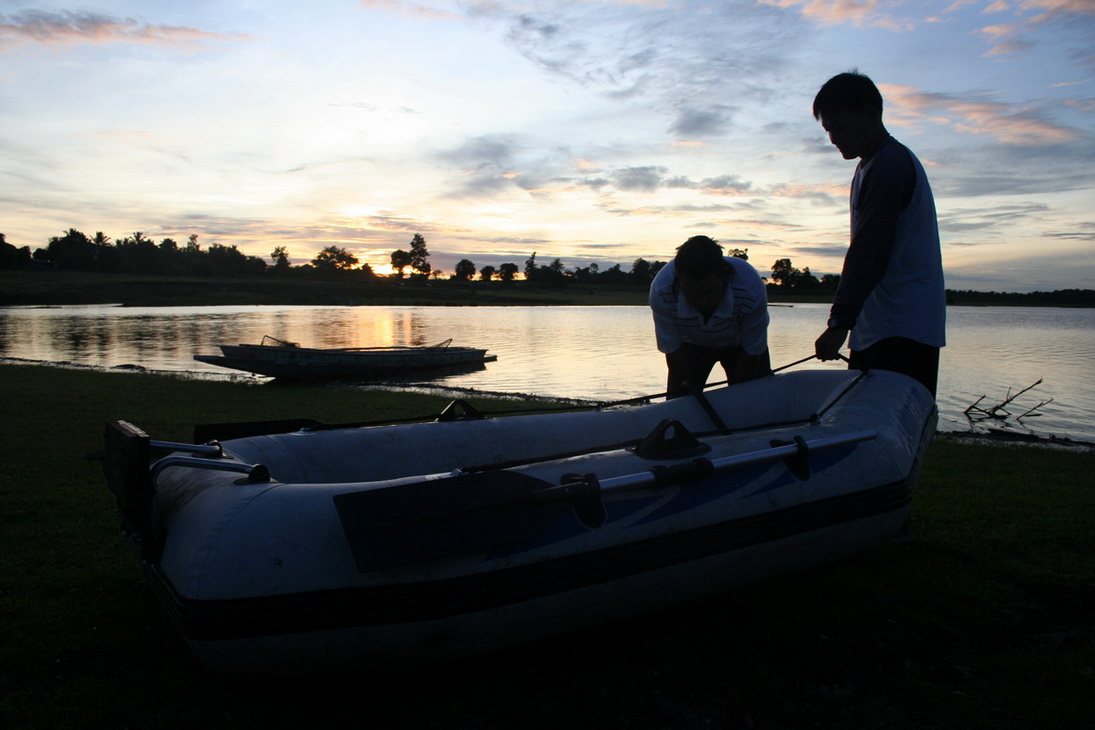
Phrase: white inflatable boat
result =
(404, 545)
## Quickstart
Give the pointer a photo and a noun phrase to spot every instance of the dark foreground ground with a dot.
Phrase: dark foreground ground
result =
(985, 620)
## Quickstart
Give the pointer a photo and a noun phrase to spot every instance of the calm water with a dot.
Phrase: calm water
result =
(598, 353)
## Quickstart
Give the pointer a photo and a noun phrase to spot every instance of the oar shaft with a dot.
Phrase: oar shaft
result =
(641, 479)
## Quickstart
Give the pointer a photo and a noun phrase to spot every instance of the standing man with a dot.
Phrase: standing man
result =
(891, 296)
(709, 308)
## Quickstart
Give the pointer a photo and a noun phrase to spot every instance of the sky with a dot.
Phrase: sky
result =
(590, 131)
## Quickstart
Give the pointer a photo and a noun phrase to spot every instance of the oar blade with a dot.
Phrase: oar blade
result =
(394, 526)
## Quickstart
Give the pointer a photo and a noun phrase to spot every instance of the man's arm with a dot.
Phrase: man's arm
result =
(885, 191)
(827, 347)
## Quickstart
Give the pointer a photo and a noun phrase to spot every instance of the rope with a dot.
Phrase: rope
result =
(556, 409)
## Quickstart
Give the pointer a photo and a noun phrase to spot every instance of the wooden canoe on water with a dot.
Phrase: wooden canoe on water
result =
(290, 361)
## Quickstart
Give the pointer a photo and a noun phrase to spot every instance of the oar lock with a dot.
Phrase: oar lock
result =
(583, 491)
(799, 462)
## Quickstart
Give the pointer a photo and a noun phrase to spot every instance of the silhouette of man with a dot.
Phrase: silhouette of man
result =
(709, 308)
(891, 297)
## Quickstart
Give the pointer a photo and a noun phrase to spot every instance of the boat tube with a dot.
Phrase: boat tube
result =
(406, 545)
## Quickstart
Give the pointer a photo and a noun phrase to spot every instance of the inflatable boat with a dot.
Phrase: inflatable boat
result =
(406, 545)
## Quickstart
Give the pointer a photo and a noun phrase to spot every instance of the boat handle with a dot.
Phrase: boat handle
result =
(255, 472)
(212, 449)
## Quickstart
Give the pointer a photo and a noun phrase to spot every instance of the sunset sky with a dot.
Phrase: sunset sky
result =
(593, 131)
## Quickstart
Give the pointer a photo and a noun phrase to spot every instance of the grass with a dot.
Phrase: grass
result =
(53, 288)
(985, 620)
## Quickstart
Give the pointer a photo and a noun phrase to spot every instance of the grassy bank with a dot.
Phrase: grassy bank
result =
(986, 620)
(55, 288)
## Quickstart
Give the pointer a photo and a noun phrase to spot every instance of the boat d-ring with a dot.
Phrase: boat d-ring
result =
(670, 439)
(459, 410)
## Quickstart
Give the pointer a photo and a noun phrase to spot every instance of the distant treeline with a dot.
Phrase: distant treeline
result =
(1059, 298)
(138, 254)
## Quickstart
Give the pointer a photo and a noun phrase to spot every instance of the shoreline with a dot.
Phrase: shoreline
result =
(988, 437)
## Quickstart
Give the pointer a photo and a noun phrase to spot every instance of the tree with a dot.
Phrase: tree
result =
(419, 255)
(280, 257)
(141, 253)
(73, 250)
(229, 260)
(487, 273)
(12, 257)
(507, 272)
(333, 259)
(784, 274)
(806, 281)
(613, 275)
(400, 260)
(739, 253)
(530, 267)
(465, 270)
(641, 272)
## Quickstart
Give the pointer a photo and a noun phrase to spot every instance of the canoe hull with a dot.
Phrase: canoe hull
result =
(303, 363)
(270, 576)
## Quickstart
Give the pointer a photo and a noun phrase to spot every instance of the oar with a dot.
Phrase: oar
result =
(410, 523)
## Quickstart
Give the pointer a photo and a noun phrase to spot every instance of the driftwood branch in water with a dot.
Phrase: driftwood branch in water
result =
(999, 411)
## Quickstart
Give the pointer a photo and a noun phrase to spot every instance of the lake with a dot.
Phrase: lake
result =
(594, 353)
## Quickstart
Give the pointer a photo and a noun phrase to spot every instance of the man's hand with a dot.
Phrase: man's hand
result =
(827, 347)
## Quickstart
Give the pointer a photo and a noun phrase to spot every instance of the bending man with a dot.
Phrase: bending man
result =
(709, 308)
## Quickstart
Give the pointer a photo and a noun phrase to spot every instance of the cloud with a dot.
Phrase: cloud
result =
(67, 28)
(417, 10)
(670, 57)
(692, 123)
(645, 179)
(1007, 123)
(485, 164)
(860, 13)
(961, 220)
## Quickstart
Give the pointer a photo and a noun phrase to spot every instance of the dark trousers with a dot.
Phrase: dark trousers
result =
(901, 355)
(692, 364)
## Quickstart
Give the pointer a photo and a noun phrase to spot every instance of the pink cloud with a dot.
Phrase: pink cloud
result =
(75, 29)
(408, 8)
(1008, 124)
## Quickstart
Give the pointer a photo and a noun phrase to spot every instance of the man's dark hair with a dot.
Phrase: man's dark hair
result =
(699, 257)
(851, 91)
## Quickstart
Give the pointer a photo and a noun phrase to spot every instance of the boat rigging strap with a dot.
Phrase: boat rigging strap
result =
(723, 431)
(697, 393)
(834, 401)
(227, 431)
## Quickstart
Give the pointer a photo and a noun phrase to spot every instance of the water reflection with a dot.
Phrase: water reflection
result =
(598, 353)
